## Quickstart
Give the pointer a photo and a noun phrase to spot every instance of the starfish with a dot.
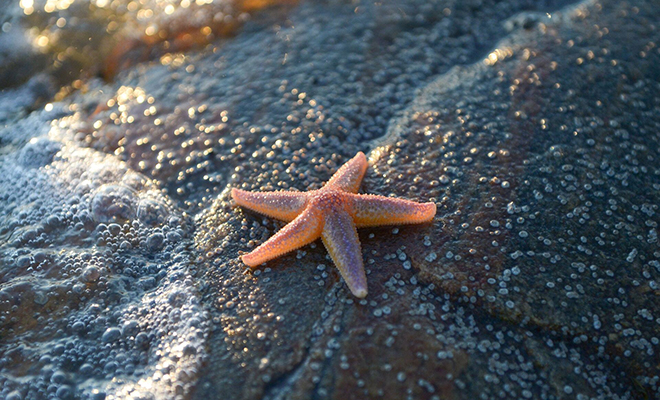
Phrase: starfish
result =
(332, 213)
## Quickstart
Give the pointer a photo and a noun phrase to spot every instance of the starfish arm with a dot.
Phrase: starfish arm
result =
(283, 205)
(349, 176)
(303, 230)
(341, 239)
(372, 210)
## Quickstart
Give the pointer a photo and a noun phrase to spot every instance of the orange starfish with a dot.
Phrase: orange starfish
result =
(332, 213)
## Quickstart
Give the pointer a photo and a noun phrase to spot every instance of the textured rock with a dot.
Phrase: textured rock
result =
(553, 181)
(533, 127)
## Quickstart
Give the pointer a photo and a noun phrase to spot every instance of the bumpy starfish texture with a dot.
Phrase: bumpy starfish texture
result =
(332, 213)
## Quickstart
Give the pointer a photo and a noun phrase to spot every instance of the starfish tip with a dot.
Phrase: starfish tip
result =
(431, 210)
(360, 293)
(249, 261)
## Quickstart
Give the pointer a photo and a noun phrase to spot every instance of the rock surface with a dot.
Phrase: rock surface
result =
(533, 125)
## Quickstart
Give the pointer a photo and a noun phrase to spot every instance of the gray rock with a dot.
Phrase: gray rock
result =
(533, 127)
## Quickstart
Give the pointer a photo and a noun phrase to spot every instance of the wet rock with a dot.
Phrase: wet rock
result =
(508, 147)
(550, 220)
(536, 137)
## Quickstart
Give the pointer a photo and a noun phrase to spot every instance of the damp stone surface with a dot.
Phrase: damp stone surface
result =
(533, 126)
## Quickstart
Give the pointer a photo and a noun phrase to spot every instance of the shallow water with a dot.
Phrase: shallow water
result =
(533, 126)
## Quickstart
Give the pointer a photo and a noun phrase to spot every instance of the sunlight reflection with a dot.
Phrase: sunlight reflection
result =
(498, 55)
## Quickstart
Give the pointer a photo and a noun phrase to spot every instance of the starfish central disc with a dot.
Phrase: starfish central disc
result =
(326, 199)
(332, 213)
